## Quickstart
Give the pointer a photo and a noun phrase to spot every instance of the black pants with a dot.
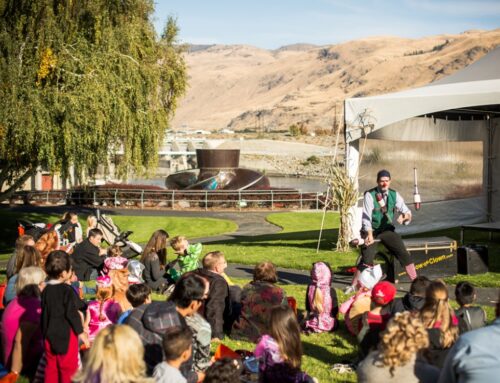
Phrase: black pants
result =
(393, 242)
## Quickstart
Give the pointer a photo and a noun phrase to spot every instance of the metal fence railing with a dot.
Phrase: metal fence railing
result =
(176, 199)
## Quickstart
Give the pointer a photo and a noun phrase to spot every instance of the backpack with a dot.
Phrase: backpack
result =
(470, 318)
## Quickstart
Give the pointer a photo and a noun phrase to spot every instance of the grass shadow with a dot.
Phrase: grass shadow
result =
(318, 352)
(301, 239)
(284, 277)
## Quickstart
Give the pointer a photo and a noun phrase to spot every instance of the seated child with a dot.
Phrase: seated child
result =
(354, 308)
(177, 347)
(321, 300)
(187, 256)
(374, 321)
(116, 267)
(104, 310)
(137, 295)
(114, 260)
(414, 300)
(225, 370)
(469, 317)
(280, 352)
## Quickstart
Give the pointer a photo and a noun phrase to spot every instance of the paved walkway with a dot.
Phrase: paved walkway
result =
(249, 224)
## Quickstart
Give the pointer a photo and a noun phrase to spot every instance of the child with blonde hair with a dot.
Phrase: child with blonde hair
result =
(321, 300)
(91, 224)
(187, 256)
(396, 359)
(116, 267)
(104, 311)
(117, 355)
(441, 323)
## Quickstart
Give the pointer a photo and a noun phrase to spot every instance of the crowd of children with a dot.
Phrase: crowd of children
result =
(51, 333)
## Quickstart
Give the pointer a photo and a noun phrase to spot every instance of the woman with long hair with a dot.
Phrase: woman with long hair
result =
(23, 240)
(395, 360)
(28, 256)
(280, 351)
(117, 356)
(440, 321)
(154, 259)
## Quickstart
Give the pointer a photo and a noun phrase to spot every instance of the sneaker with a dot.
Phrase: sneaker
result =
(341, 368)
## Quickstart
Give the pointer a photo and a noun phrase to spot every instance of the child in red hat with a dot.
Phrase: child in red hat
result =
(375, 320)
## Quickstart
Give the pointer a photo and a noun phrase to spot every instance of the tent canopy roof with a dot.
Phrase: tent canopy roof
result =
(473, 91)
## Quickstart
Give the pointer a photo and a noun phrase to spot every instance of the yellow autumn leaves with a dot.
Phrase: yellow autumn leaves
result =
(47, 64)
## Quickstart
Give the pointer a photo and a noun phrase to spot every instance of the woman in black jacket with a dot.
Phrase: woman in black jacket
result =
(154, 259)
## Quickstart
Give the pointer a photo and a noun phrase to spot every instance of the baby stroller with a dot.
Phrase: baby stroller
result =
(36, 230)
(114, 236)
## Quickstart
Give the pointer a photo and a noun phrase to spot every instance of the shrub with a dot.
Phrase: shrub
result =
(313, 160)
(294, 130)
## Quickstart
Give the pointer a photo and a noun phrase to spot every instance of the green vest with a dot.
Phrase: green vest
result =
(380, 221)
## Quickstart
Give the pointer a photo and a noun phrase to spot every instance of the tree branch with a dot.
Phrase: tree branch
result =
(17, 184)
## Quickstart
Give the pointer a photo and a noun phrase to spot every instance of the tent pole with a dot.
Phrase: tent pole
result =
(489, 185)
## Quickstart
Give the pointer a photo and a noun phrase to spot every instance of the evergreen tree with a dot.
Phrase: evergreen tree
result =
(80, 80)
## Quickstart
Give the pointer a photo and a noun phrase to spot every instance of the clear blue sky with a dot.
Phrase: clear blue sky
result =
(274, 23)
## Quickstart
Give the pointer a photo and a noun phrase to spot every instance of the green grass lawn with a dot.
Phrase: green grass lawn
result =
(321, 351)
(142, 227)
(293, 247)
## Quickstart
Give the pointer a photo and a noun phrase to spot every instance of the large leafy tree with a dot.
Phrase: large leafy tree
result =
(81, 80)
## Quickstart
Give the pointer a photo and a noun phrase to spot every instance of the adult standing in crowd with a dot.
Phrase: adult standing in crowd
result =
(218, 304)
(257, 299)
(88, 257)
(154, 259)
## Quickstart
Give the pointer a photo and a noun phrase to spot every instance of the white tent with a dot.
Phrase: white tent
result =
(472, 98)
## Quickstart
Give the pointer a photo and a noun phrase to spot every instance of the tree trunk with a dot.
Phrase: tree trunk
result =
(6, 194)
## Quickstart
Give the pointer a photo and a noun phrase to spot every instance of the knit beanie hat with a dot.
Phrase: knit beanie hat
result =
(383, 173)
(383, 293)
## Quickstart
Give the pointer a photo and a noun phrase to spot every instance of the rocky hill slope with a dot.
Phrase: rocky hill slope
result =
(244, 87)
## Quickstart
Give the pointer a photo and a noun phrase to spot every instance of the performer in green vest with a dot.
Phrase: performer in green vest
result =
(379, 207)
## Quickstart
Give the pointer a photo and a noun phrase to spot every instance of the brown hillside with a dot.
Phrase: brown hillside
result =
(242, 87)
